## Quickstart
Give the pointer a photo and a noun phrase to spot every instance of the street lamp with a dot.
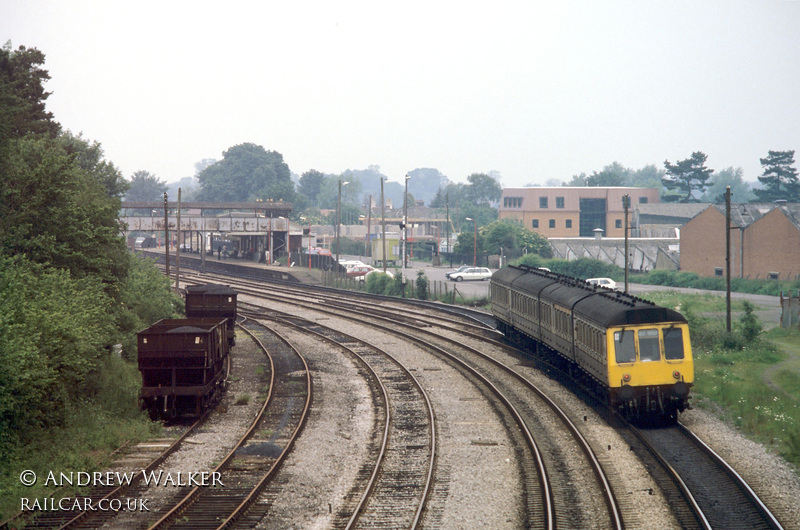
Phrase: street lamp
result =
(405, 223)
(405, 233)
(475, 244)
(339, 218)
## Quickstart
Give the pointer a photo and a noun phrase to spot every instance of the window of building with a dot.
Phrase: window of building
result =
(717, 271)
(642, 200)
(617, 223)
(542, 202)
(535, 223)
(569, 223)
(774, 275)
(559, 202)
(552, 223)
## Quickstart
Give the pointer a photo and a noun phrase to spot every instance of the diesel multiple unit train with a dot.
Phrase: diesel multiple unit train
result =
(184, 361)
(631, 352)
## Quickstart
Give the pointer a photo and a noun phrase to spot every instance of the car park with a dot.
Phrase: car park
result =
(471, 273)
(608, 283)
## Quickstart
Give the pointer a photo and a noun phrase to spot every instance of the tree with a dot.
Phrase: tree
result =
(55, 212)
(425, 182)
(145, 187)
(89, 157)
(513, 238)
(483, 189)
(780, 178)
(310, 186)
(22, 94)
(247, 172)
(647, 177)
(688, 177)
(733, 177)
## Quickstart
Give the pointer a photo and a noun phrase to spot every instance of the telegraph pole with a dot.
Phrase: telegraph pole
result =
(383, 227)
(166, 232)
(728, 259)
(178, 248)
(626, 202)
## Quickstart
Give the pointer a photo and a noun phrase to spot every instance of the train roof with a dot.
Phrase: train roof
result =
(211, 288)
(184, 325)
(598, 304)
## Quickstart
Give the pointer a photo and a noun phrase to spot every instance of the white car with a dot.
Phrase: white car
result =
(608, 283)
(378, 271)
(472, 273)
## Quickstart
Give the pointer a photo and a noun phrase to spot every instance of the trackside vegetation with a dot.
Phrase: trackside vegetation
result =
(72, 298)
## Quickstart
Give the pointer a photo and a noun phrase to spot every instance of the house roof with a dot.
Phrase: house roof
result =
(745, 214)
(672, 209)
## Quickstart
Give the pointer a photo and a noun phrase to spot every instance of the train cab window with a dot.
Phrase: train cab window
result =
(673, 344)
(624, 349)
(648, 345)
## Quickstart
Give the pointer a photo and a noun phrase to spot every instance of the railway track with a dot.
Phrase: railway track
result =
(396, 479)
(757, 517)
(255, 458)
(542, 508)
(715, 494)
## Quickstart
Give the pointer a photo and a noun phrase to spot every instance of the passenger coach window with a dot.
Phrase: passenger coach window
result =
(623, 347)
(648, 345)
(673, 344)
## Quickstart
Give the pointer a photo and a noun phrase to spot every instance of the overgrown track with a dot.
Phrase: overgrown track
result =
(142, 462)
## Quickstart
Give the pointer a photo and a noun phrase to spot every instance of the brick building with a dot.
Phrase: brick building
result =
(765, 241)
(572, 211)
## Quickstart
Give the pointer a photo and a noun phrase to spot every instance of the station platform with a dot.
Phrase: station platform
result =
(239, 267)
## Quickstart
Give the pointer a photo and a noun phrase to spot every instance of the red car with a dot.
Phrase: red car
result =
(359, 272)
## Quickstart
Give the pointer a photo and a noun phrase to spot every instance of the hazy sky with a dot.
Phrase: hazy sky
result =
(532, 90)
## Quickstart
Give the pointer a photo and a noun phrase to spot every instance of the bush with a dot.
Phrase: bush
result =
(421, 286)
(378, 283)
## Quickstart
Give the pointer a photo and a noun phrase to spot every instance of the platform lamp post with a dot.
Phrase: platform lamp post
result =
(339, 218)
(474, 244)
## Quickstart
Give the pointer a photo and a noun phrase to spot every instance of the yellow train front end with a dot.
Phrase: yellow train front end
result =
(650, 369)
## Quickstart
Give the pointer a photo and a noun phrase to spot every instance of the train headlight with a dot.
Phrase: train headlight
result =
(677, 375)
(626, 378)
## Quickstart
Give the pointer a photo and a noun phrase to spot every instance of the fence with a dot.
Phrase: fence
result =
(790, 310)
(437, 289)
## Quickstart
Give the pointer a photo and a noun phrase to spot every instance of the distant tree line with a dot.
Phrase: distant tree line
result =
(689, 180)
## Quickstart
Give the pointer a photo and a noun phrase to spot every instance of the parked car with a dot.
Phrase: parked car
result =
(608, 283)
(359, 272)
(472, 273)
(378, 271)
(460, 269)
